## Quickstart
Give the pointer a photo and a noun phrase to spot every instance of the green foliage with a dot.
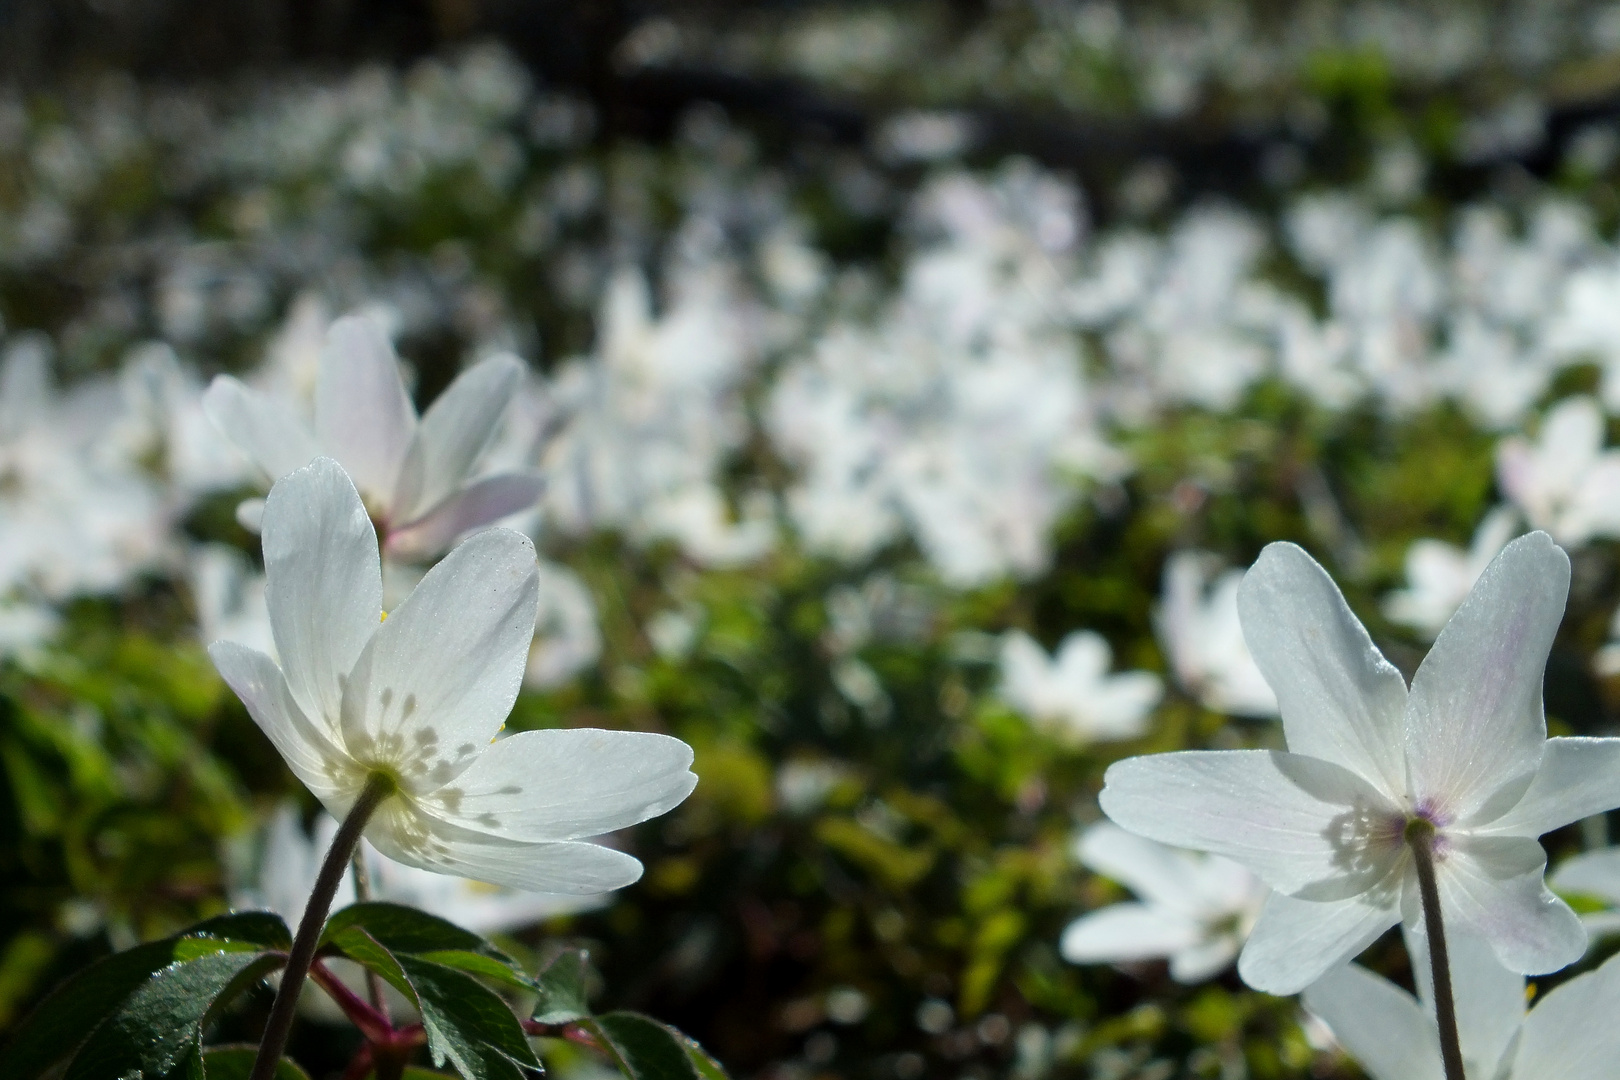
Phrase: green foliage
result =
(147, 1007)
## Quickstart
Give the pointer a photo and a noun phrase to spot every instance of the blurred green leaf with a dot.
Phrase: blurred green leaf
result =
(236, 1063)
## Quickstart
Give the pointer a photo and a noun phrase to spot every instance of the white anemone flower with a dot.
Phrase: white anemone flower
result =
(1570, 1034)
(1565, 482)
(420, 696)
(1195, 910)
(414, 475)
(1439, 575)
(1465, 751)
(1197, 621)
(1072, 693)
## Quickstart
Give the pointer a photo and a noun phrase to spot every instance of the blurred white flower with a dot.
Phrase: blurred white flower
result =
(77, 513)
(1197, 623)
(1194, 910)
(229, 597)
(1440, 575)
(1593, 874)
(566, 637)
(1072, 693)
(416, 476)
(1565, 482)
(648, 420)
(419, 697)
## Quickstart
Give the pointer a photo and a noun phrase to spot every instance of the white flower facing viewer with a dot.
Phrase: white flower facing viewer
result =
(415, 475)
(1072, 692)
(418, 697)
(1195, 910)
(1462, 757)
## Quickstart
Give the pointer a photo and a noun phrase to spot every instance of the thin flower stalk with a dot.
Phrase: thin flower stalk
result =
(1420, 838)
(276, 1029)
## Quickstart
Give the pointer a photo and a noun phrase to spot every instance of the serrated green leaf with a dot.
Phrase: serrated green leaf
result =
(645, 1049)
(62, 1021)
(365, 950)
(258, 927)
(401, 929)
(478, 964)
(163, 1020)
(562, 989)
(236, 1063)
(468, 1024)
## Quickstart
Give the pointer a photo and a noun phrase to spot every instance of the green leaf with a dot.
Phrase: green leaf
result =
(468, 1024)
(562, 989)
(414, 1073)
(479, 964)
(365, 950)
(401, 929)
(61, 1022)
(645, 1049)
(162, 1021)
(236, 1063)
(258, 927)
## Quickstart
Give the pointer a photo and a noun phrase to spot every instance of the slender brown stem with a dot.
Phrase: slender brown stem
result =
(1420, 838)
(276, 1029)
(362, 893)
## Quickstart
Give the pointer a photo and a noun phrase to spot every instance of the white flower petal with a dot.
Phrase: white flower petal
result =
(362, 414)
(572, 867)
(1571, 1034)
(1578, 777)
(1205, 960)
(1124, 932)
(489, 500)
(1341, 701)
(1148, 868)
(260, 685)
(1380, 1025)
(1596, 873)
(1492, 886)
(323, 583)
(1303, 825)
(1295, 942)
(1489, 998)
(262, 427)
(1475, 726)
(453, 432)
(563, 784)
(440, 676)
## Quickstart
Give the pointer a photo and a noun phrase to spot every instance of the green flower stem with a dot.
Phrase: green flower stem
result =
(1420, 838)
(378, 787)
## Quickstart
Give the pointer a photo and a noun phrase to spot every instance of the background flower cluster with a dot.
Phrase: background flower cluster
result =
(903, 436)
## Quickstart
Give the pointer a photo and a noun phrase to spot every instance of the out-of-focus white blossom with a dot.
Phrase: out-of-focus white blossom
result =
(1194, 910)
(1072, 692)
(1439, 575)
(78, 514)
(1565, 481)
(1197, 623)
(566, 637)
